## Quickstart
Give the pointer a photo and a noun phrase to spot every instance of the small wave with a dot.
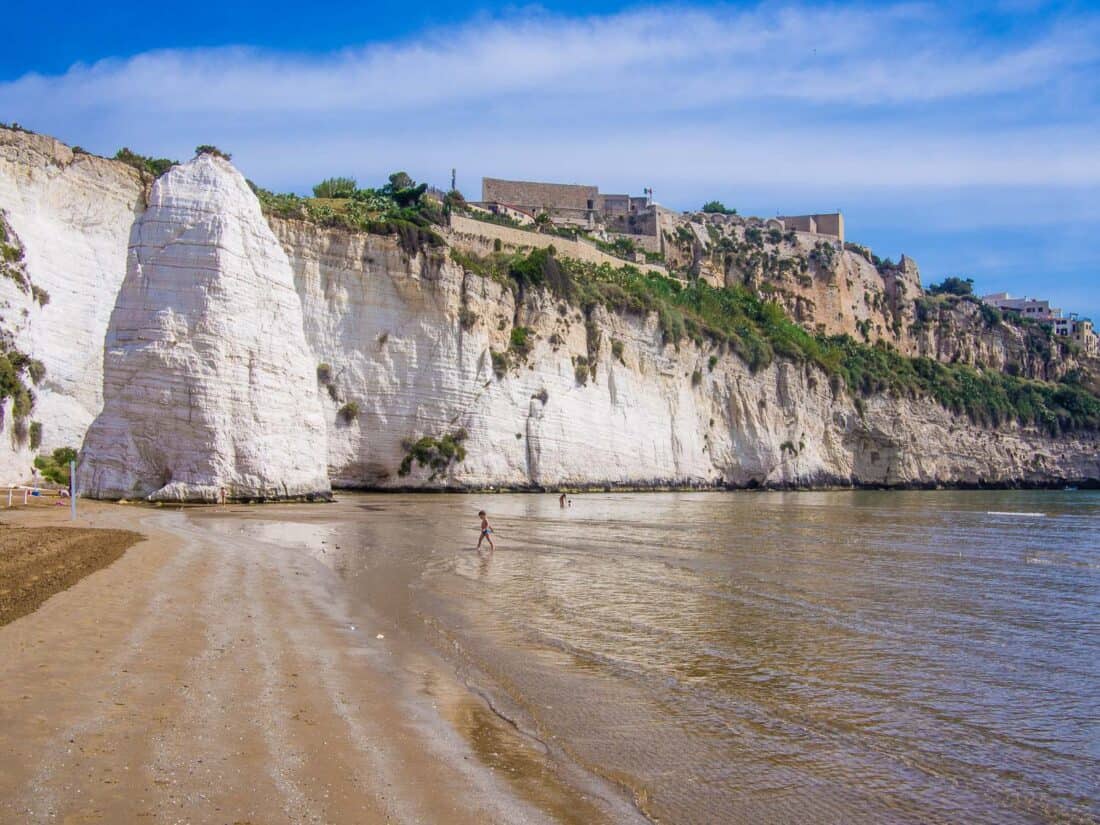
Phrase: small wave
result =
(1014, 513)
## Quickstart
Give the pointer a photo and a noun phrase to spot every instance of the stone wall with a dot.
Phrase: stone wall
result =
(478, 236)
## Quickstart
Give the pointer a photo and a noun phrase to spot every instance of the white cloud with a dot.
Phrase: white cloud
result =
(856, 94)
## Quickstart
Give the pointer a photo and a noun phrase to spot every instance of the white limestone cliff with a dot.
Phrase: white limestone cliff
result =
(72, 214)
(210, 377)
(409, 341)
(208, 382)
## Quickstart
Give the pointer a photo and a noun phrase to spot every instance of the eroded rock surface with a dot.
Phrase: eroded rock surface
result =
(208, 382)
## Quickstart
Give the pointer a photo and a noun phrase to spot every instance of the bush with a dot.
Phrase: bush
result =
(520, 341)
(55, 467)
(207, 149)
(436, 453)
(335, 188)
(952, 286)
(712, 362)
(324, 373)
(500, 363)
(617, 349)
(349, 412)
(14, 365)
(718, 207)
(696, 378)
(36, 434)
(991, 315)
(143, 163)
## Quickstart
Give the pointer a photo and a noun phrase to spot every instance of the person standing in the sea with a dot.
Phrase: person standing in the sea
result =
(561, 501)
(486, 531)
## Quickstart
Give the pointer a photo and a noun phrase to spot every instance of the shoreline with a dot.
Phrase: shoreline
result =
(223, 674)
(655, 487)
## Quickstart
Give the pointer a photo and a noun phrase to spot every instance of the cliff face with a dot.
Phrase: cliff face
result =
(71, 215)
(208, 382)
(269, 356)
(838, 289)
(411, 342)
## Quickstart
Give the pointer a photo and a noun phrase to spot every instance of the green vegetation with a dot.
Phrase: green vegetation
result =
(718, 207)
(861, 250)
(500, 363)
(35, 433)
(521, 341)
(617, 349)
(349, 412)
(143, 163)
(398, 208)
(991, 315)
(759, 331)
(207, 149)
(55, 467)
(581, 370)
(620, 247)
(436, 453)
(14, 367)
(324, 373)
(952, 286)
(335, 188)
(696, 378)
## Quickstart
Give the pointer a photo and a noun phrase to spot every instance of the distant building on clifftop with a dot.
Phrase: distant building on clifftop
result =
(1079, 330)
(830, 223)
(576, 204)
(1034, 308)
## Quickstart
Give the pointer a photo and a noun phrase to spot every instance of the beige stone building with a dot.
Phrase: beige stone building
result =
(831, 224)
(569, 203)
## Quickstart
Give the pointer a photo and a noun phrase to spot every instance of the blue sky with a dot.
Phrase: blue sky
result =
(968, 138)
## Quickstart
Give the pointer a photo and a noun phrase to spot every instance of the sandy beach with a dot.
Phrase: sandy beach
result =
(204, 676)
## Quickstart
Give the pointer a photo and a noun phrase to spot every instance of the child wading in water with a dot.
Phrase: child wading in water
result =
(486, 531)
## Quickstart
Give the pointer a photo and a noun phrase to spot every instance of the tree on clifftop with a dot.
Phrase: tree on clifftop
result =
(952, 286)
(207, 149)
(718, 207)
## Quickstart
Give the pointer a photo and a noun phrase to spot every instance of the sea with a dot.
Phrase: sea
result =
(771, 657)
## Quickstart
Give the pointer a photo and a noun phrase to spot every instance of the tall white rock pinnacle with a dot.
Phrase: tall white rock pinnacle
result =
(208, 380)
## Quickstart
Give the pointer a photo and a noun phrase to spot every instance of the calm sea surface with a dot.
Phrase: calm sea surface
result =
(776, 657)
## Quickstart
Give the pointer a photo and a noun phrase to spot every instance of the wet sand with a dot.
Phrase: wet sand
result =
(208, 676)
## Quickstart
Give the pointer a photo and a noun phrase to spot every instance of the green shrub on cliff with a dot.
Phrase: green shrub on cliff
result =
(394, 209)
(144, 163)
(438, 454)
(15, 366)
(759, 330)
(718, 207)
(207, 149)
(335, 188)
(952, 286)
